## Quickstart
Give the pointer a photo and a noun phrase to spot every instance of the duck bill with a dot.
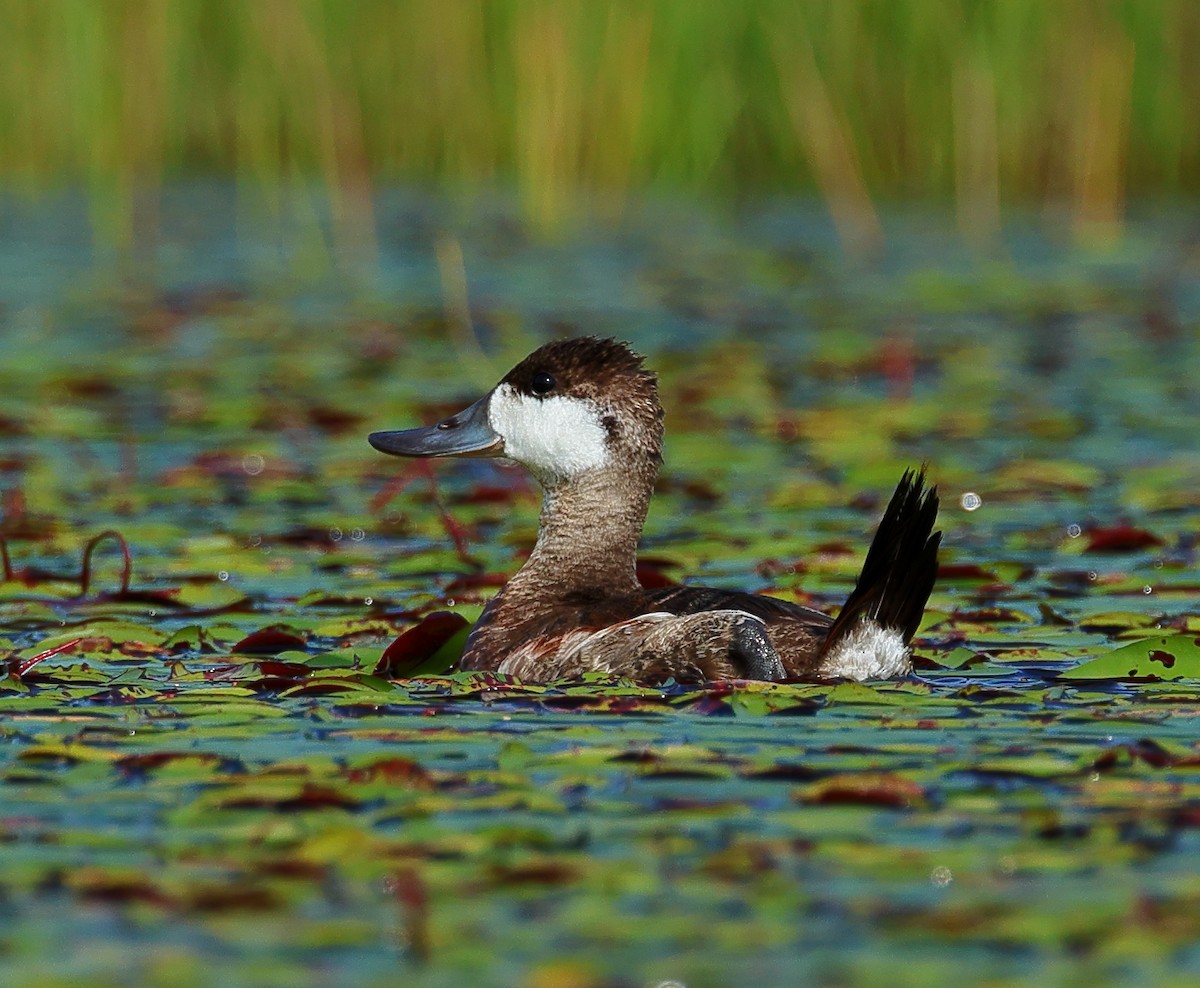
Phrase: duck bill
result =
(469, 433)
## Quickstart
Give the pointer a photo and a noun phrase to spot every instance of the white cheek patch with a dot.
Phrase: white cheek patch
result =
(553, 437)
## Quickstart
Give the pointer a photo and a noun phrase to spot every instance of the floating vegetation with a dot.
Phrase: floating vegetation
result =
(231, 748)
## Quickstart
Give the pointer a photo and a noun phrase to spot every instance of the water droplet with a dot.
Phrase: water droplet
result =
(941, 876)
(358, 535)
(1147, 589)
(368, 601)
(223, 575)
(335, 534)
(152, 613)
(1092, 574)
(449, 601)
(970, 501)
(1074, 530)
(255, 541)
(253, 464)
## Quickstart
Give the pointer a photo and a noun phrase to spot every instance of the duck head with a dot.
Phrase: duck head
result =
(570, 408)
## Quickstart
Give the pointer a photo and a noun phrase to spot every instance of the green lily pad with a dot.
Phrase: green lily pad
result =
(352, 656)
(215, 596)
(1168, 657)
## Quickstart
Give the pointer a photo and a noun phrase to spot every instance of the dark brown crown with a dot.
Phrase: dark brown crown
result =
(585, 367)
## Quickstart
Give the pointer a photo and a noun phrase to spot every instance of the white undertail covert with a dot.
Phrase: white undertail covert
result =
(869, 651)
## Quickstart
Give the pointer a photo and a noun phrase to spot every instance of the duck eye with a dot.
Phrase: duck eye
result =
(542, 383)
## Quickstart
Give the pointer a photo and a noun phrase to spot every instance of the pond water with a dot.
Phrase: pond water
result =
(183, 803)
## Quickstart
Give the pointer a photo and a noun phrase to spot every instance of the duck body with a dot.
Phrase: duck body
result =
(584, 417)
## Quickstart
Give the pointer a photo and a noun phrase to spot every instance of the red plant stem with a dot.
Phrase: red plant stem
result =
(457, 533)
(85, 574)
(391, 489)
(8, 570)
(14, 505)
(898, 363)
(413, 898)
(29, 663)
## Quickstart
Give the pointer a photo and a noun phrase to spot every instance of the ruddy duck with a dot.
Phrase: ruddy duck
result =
(584, 418)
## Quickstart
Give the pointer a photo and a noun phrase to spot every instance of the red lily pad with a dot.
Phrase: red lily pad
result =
(268, 641)
(1120, 538)
(399, 772)
(651, 575)
(418, 644)
(866, 789)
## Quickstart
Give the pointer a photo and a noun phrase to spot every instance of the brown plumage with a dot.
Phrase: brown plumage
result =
(584, 417)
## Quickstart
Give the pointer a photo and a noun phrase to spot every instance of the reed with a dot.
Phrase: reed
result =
(978, 103)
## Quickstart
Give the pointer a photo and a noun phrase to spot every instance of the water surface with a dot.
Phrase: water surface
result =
(182, 811)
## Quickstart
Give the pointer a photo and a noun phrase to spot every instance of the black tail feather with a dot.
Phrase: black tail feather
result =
(901, 565)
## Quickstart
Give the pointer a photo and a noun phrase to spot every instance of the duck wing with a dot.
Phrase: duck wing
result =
(654, 647)
(693, 600)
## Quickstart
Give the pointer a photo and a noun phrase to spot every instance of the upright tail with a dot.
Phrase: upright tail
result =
(869, 638)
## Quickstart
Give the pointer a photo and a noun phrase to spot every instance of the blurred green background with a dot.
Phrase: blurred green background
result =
(1079, 103)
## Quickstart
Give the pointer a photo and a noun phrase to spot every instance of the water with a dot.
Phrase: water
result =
(180, 812)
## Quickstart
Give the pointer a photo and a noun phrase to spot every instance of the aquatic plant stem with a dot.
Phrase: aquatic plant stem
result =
(85, 573)
(29, 663)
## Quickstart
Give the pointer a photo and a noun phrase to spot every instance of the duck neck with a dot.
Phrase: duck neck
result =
(588, 536)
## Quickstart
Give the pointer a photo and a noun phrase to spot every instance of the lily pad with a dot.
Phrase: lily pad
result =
(427, 649)
(1168, 657)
